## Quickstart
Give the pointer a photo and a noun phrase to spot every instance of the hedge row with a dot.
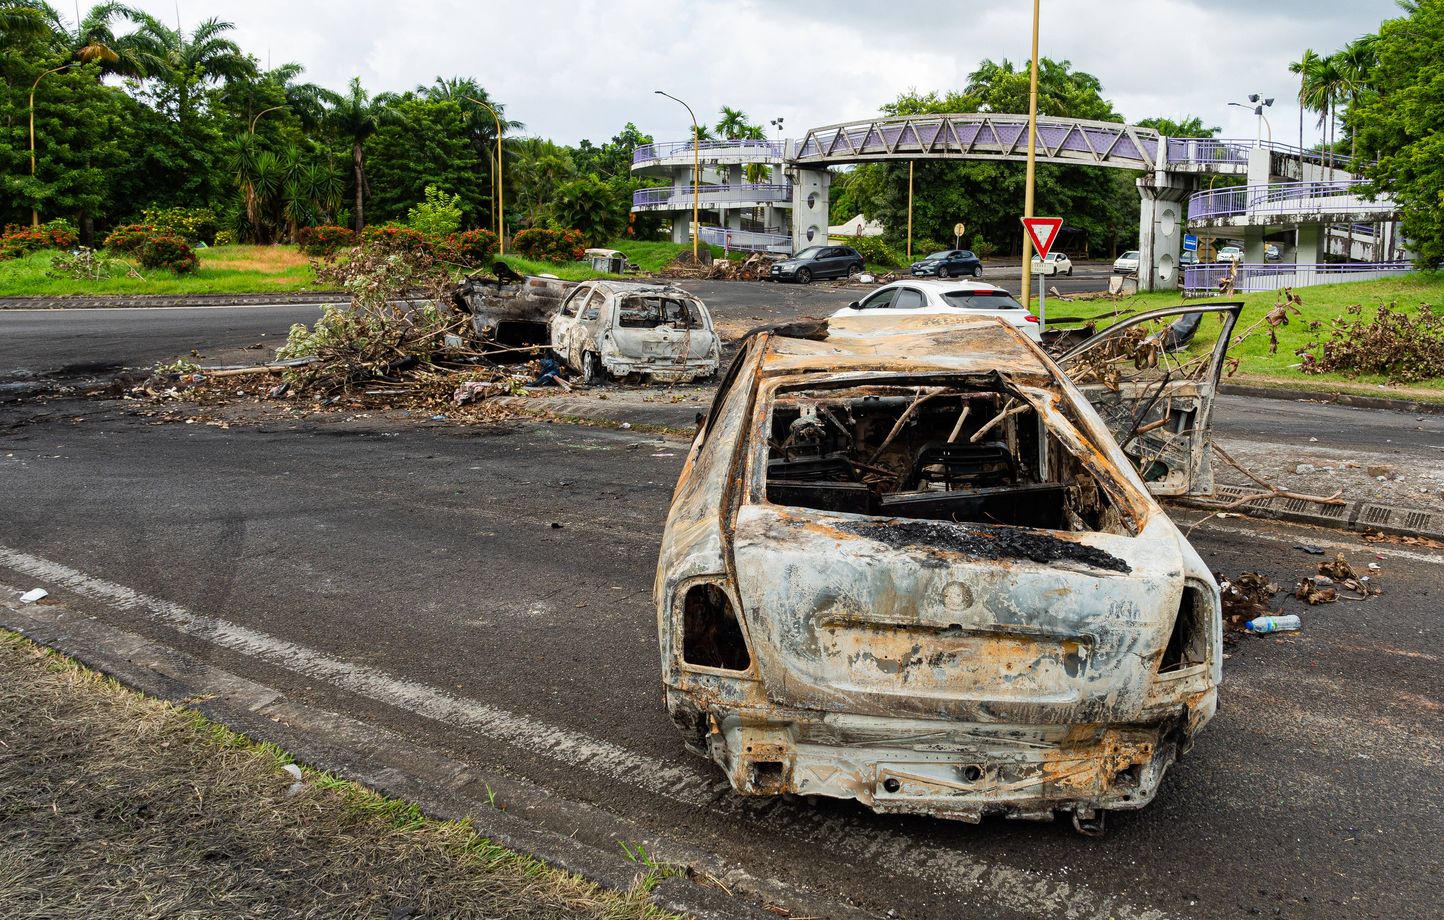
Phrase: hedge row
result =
(17, 241)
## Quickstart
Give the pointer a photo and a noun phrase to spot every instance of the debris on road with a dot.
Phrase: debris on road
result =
(1272, 624)
(1245, 598)
(30, 597)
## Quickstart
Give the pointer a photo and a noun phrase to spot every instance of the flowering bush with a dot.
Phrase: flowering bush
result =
(546, 245)
(325, 240)
(395, 237)
(130, 238)
(473, 247)
(225, 238)
(194, 224)
(170, 252)
(18, 241)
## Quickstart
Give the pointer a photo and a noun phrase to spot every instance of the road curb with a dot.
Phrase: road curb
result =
(127, 301)
(1340, 399)
(377, 758)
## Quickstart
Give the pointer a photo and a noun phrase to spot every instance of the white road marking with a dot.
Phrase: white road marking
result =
(1023, 890)
(1390, 550)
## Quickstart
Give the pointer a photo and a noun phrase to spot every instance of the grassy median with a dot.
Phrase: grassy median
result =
(116, 805)
(1279, 368)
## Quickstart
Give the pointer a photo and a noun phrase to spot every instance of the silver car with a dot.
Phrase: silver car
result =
(618, 328)
(908, 563)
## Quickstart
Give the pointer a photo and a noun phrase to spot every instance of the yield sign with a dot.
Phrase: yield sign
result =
(1043, 230)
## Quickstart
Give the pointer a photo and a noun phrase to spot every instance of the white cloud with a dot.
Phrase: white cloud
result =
(583, 69)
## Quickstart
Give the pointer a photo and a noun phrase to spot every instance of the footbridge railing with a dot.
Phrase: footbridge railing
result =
(732, 150)
(679, 197)
(1288, 199)
(1205, 277)
(984, 136)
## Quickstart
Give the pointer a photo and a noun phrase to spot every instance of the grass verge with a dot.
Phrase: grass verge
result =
(117, 805)
(223, 270)
(1257, 366)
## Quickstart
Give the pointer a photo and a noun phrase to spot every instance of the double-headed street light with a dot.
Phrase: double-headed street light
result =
(34, 212)
(1256, 104)
(499, 197)
(696, 170)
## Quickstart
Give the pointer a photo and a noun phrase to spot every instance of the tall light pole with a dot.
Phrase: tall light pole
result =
(696, 172)
(1032, 160)
(262, 112)
(500, 196)
(34, 212)
(1256, 104)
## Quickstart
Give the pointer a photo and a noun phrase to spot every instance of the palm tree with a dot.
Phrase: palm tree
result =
(732, 124)
(480, 124)
(1306, 67)
(27, 20)
(185, 62)
(1357, 62)
(356, 117)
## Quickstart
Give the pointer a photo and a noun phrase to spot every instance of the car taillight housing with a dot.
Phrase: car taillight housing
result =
(1030, 318)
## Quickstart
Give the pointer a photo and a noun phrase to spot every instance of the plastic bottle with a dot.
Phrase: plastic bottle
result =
(1274, 624)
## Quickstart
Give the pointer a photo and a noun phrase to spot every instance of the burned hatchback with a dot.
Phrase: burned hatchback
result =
(619, 328)
(907, 563)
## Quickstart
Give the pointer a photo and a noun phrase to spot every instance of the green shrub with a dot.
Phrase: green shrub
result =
(17, 241)
(130, 238)
(225, 238)
(438, 215)
(395, 237)
(197, 225)
(545, 245)
(474, 247)
(170, 252)
(982, 248)
(875, 251)
(325, 240)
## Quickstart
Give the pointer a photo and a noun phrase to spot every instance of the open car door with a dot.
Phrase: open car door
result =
(1156, 393)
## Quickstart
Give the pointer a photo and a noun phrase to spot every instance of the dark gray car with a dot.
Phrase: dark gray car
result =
(818, 262)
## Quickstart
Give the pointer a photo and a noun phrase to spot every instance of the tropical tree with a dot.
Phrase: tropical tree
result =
(540, 167)
(1357, 63)
(1189, 127)
(1307, 67)
(355, 117)
(184, 64)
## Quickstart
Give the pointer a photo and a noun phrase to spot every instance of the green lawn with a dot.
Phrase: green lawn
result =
(224, 270)
(1321, 303)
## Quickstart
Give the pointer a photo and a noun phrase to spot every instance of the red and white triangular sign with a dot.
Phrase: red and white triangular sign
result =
(1043, 230)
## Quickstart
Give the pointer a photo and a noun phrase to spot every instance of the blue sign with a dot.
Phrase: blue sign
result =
(1190, 243)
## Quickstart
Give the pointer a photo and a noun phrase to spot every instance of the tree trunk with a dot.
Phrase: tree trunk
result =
(360, 185)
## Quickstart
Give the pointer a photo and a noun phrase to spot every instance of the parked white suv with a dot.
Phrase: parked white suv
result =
(920, 296)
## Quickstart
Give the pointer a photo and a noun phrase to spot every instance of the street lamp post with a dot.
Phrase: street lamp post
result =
(696, 172)
(262, 112)
(1032, 160)
(34, 212)
(1256, 104)
(499, 197)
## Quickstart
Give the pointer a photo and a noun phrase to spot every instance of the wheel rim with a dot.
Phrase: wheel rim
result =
(978, 272)
(804, 276)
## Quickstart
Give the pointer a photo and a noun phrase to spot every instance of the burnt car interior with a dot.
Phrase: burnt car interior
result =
(964, 450)
(650, 312)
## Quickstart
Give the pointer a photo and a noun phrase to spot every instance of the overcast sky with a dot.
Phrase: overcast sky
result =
(585, 68)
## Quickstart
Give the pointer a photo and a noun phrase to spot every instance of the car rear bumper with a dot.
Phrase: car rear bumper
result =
(962, 771)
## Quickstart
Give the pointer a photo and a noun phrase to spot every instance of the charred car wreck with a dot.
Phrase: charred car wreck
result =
(907, 563)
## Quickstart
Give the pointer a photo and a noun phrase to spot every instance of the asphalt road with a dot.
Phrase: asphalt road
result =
(428, 562)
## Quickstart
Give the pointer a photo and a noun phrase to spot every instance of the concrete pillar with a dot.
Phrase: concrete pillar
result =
(809, 207)
(1260, 166)
(682, 227)
(1253, 246)
(1307, 253)
(1160, 229)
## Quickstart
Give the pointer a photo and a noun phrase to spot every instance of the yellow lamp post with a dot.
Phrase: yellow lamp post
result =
(500, 196)
(1032, 156)
(34, 213)
(696, 172)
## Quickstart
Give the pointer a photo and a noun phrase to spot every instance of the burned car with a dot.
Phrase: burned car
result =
(619, 328)
(907, 563)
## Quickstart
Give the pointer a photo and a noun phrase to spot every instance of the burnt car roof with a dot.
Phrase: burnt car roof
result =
(643, 287)
(928, 343)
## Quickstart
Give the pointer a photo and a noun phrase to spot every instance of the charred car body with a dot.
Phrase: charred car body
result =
(907, 563)
(619, 328)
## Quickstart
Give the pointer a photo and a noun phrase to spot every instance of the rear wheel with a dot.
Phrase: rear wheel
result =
(804, 276)
(977, 271)
(854, 269)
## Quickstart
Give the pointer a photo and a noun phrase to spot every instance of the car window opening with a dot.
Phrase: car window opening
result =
(651, 312)
(950, 452)
(981, 300)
